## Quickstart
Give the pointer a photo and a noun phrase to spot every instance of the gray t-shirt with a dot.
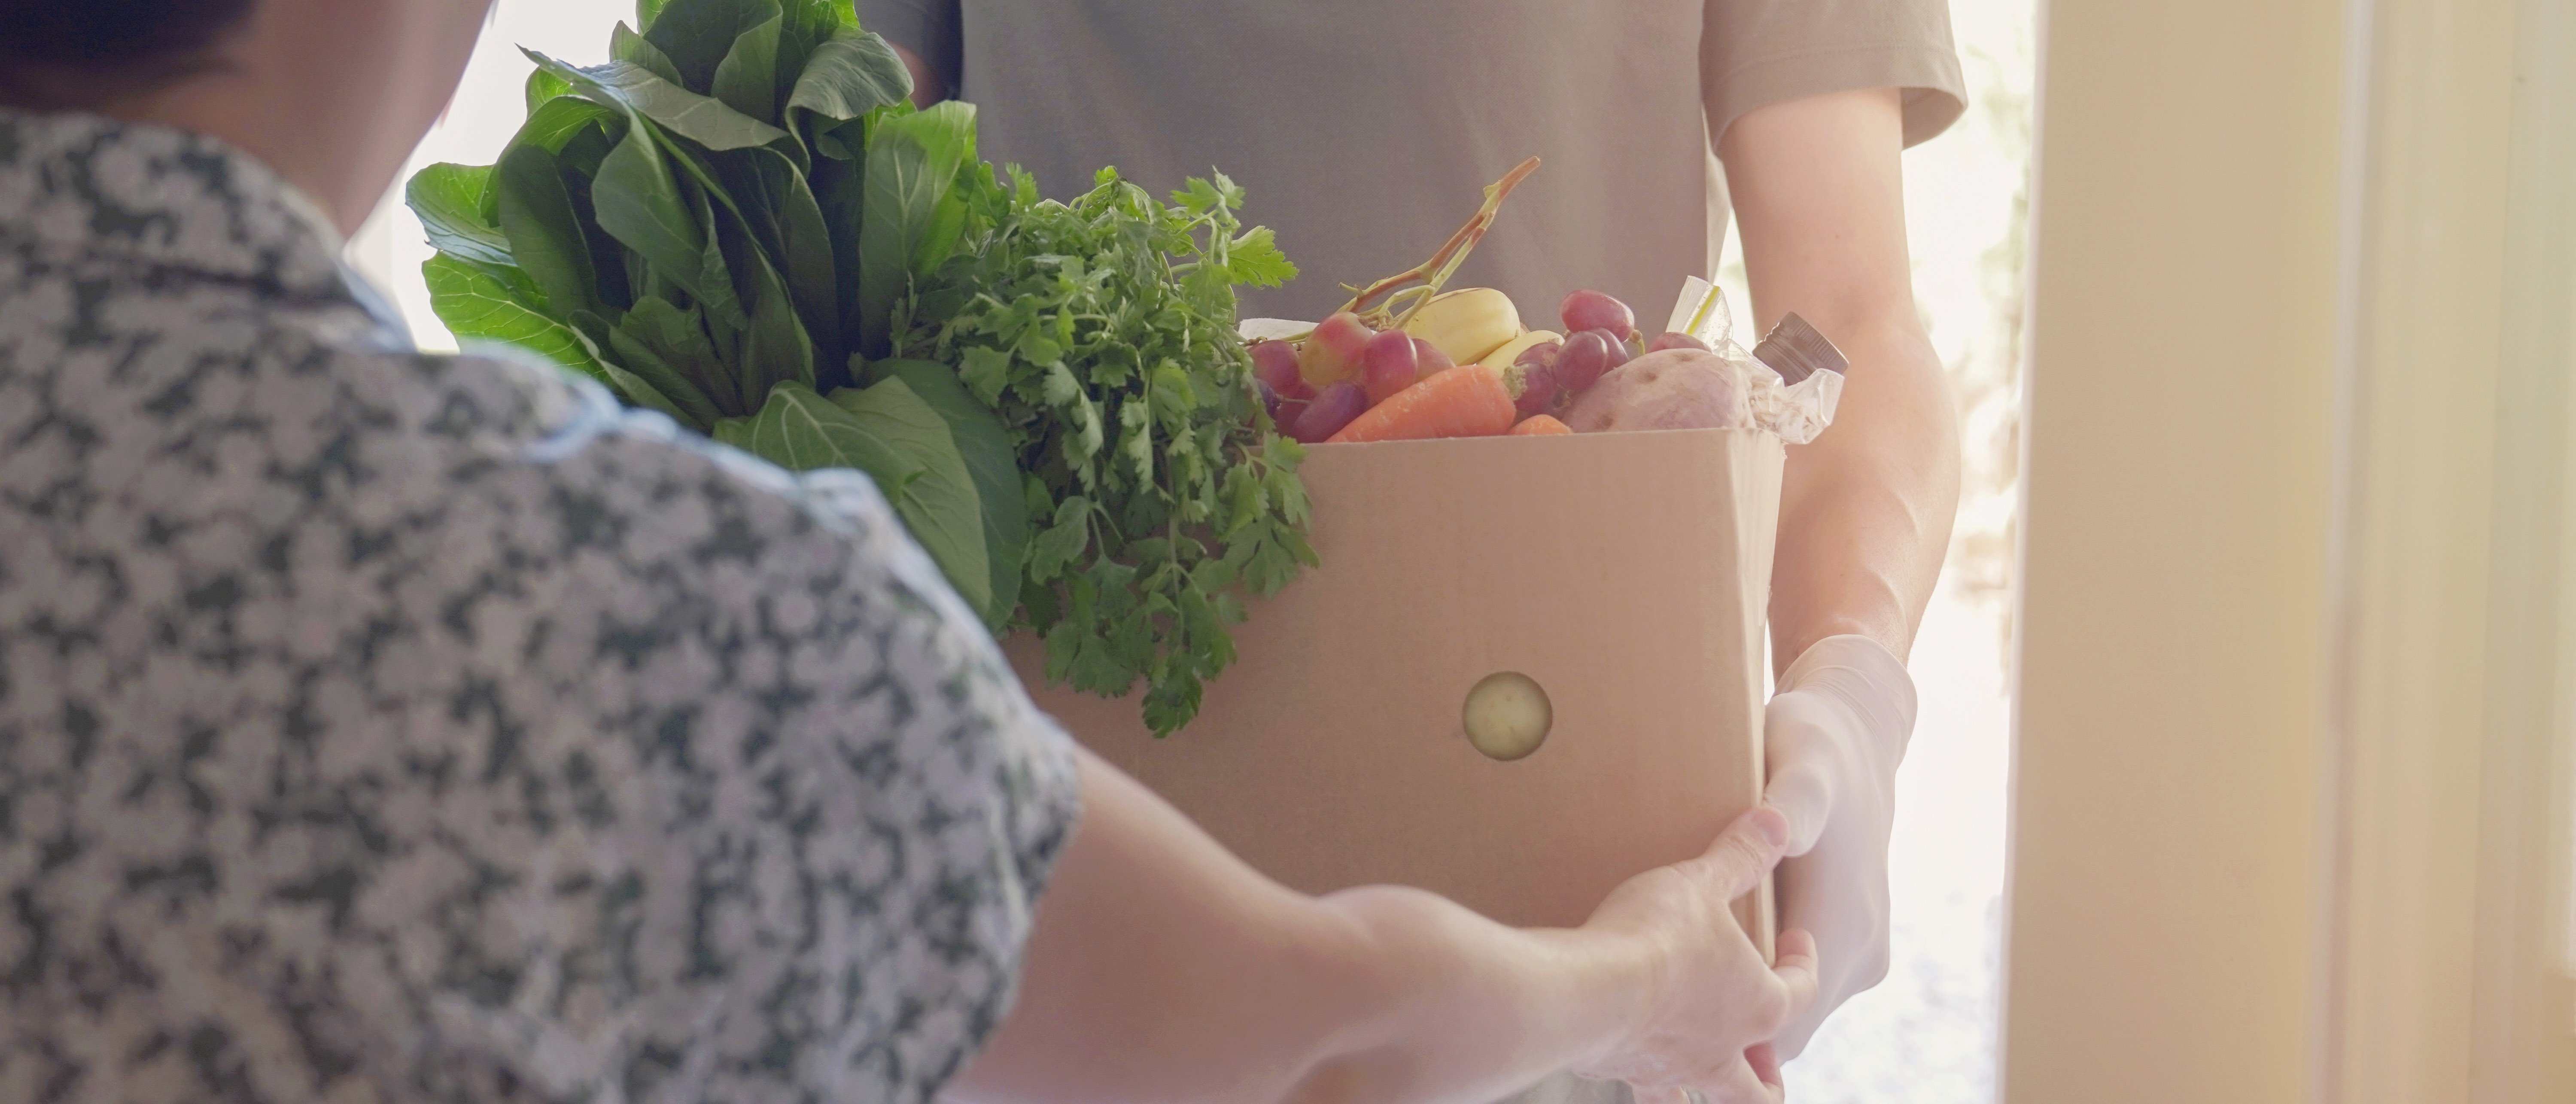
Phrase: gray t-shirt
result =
(1365, 132)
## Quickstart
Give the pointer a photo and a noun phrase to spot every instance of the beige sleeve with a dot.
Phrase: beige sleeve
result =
(1757, 52)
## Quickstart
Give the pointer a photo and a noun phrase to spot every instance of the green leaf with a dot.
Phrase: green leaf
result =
(556, 123)
(986, 371)
(1136, 437)
(847, 77)
(945, 507)
(912, 161)
(639, 204)
(477, 307)
(625, 45)
(1256, 260)
(449, 201)
(747, 79)
(1198, 196)
(985, 444)
(775, 349)
(544, 86)
(1060, 388)
(646, 11)
(697, 34)
(780, 210)
(1174, 398)
(717, 290)
(906, 447)
(544, 231)
(823, 17)
(635, 390)
(1060, 543)
(802, 431)
(635, 90)
(667, 348)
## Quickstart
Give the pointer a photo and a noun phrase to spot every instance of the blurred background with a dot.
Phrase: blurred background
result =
(1927, 1035)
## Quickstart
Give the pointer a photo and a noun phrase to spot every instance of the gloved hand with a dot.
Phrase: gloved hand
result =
(1834, 734)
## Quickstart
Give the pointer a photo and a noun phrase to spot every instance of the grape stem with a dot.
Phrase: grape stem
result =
(1435, 273)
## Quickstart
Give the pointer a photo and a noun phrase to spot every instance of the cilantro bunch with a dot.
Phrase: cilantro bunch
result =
(1102, 332)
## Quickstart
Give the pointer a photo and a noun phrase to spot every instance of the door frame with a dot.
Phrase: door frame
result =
(2298, 617)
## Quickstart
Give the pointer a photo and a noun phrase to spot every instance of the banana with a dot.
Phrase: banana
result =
(1511, 350)
(1467, 324)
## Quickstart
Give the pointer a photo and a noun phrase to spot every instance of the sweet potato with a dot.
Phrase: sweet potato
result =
(1674, 389)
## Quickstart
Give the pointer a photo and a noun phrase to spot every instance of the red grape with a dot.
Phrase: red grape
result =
(1331, 410)
(1275, 363)
(1389, 363)
(1678, 341)
(1620, 351)
(1332, 353)
(1593, 310)
(1585, 358)
(1538, 386)
(1433, 360)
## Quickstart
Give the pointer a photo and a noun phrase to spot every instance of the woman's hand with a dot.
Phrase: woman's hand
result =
(1163, 969)
(1712, 1007)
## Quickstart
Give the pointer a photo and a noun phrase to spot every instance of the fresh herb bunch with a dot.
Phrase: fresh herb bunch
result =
(734, 221)
(1103, 333)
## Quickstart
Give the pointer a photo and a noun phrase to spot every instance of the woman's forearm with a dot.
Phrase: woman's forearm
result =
(1163, 969)
(1471, 1010)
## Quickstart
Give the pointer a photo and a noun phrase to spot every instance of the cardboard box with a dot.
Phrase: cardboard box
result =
(1627, 573)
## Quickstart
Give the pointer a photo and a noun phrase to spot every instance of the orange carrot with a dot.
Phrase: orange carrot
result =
(1540, 425)
(1469, 400)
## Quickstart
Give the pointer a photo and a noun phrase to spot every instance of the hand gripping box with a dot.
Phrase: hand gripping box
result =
(1626, 573)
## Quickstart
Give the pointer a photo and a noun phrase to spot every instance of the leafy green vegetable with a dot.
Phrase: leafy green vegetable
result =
(545, 236)
(903, 444)
(449, 201)
(747, 79)
(742, 222)
(850, 76)
(986, 446)
(478, 307)
(913, 162)
(637, 91)
(1102, 331)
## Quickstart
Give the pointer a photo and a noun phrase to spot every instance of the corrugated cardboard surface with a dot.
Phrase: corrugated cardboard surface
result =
(1627, 573)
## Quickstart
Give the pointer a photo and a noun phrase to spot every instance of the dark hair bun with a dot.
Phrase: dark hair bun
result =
(110, 33)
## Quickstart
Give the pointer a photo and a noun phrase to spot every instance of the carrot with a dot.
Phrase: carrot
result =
(1469, 400)
(1539, 425)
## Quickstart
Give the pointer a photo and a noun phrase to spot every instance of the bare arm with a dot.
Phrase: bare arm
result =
(1164, 969)
(1866, 509)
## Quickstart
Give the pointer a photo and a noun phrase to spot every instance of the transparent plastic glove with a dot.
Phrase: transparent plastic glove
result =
(1834, 734)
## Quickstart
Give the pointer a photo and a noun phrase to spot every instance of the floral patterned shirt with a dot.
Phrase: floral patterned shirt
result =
(398, 728)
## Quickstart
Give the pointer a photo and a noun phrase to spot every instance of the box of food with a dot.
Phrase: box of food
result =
(1617, 580)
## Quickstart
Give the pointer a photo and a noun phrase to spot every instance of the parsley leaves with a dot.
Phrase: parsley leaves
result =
(1102, 331)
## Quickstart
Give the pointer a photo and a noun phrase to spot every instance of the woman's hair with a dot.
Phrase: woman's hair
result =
(50, 48)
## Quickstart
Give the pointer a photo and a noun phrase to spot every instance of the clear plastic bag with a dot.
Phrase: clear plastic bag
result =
(1798, 411)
